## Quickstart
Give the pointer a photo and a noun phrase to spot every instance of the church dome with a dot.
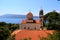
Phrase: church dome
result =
(30, 15)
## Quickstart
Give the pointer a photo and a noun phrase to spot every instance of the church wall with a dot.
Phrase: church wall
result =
(30, 26)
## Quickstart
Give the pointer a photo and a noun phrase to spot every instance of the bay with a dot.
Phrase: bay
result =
(14, 20)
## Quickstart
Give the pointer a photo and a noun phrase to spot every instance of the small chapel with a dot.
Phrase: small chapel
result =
(30, 24)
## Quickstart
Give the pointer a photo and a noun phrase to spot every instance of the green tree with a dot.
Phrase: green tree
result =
(2, 23)
(55, 36)
(53, 20)
(6, 29)
(4, 33)
(13, 27)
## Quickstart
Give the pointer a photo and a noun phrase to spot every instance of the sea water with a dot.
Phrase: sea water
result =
(13, 20)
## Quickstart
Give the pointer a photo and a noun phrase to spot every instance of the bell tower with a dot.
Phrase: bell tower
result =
(41, 18)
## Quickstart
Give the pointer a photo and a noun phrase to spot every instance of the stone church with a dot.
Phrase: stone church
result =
(30, 24)
(31, 29)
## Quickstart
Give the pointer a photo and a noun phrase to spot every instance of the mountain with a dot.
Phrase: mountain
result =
(14, 16)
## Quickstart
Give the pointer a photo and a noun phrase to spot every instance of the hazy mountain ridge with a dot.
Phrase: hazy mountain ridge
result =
(14, 16)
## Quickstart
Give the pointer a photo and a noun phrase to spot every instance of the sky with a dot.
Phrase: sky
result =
(22, 7)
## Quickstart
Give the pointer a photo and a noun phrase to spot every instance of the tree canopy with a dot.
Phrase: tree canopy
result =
(53, 19)
(6, 29)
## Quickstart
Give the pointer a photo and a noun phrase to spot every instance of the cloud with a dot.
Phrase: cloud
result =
(58, 11)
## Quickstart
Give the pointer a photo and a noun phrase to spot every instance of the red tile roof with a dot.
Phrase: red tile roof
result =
(33, 34)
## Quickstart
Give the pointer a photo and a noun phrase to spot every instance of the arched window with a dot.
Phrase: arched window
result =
(28, 27)
(24, 27)
(35, 28)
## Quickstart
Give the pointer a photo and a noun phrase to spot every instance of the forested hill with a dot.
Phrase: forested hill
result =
(14, 16)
